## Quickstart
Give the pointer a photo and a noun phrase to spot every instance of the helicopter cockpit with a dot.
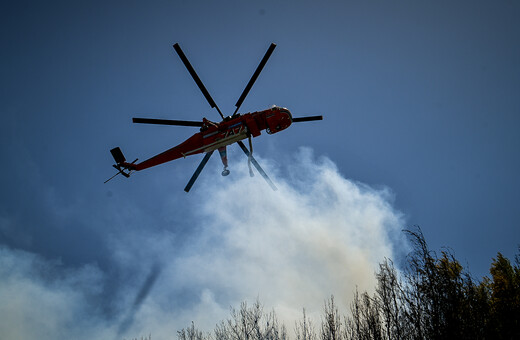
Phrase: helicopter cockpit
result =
(278, 119)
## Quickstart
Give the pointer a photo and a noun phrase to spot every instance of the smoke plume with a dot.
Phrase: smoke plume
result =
(319, 234)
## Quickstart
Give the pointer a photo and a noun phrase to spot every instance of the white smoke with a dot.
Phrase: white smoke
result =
(319, 234)
(38, 302)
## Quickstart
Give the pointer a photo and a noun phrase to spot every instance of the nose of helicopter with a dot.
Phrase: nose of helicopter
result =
(285, 118)
(280, 119)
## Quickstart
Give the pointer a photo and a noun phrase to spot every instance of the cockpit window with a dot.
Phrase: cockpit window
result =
(284, 110)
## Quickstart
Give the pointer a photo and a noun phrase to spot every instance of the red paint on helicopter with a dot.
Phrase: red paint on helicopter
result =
(216, 135)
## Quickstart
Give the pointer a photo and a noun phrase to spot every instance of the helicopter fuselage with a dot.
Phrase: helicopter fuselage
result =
(213, 136)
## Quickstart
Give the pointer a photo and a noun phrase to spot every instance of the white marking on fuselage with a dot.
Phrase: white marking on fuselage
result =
(230, 137)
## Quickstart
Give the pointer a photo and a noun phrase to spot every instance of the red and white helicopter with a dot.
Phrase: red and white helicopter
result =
(216, 136)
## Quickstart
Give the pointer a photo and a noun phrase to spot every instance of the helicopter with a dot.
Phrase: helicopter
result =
(215, 136)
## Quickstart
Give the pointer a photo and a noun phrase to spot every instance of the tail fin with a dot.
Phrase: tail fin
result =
(118, 155)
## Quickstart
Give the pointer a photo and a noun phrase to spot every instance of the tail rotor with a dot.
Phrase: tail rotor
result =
(121, 164)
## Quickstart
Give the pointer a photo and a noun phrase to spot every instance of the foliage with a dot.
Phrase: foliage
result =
(304, 329)
(433, 297)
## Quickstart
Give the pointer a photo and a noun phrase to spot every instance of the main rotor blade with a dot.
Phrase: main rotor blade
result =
(197, 172)
(255, 75)
(257, 166)
(166, 122)
(196, 78)
(307, 119)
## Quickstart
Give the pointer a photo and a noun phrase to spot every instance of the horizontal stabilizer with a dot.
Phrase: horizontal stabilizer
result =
(121, 171)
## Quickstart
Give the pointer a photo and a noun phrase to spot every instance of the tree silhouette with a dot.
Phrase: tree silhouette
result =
(304, 329)
(505, 298)
(432, 297)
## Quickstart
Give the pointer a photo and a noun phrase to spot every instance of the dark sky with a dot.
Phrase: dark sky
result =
(421, 111)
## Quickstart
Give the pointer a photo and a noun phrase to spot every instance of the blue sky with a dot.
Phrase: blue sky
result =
(421, 111)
